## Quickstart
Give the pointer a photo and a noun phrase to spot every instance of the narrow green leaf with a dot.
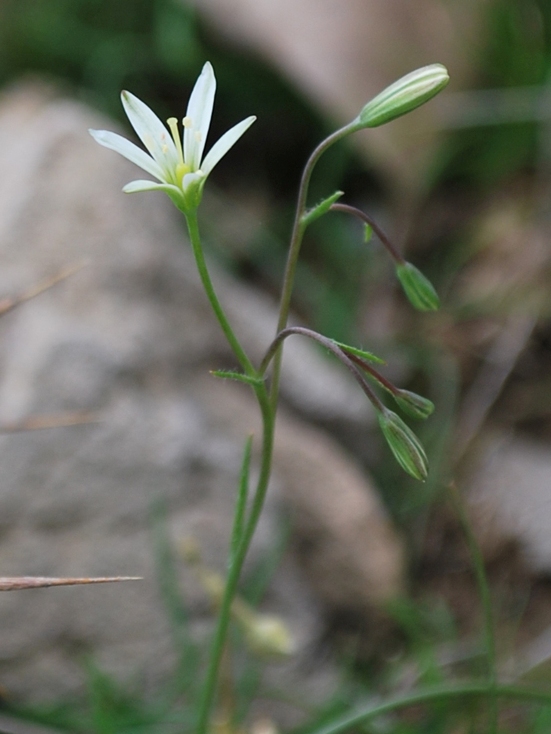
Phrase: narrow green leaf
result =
(368, 233)
(320, 209)
(369, 356)
(239, 376)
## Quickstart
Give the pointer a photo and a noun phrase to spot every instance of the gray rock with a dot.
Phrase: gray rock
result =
(511, 492)
(131, 338)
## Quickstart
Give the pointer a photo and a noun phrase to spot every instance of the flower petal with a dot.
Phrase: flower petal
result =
(221, 147)
(142, 185)
(151, 131)
(199, 112)
(128, 150)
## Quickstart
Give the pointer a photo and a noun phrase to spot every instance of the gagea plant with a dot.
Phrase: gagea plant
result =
(175, 159)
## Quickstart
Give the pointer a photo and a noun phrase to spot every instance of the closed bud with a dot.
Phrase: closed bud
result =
(404, 444)
(417, 287)
(406, 94)
(415, 405)
(267, 636)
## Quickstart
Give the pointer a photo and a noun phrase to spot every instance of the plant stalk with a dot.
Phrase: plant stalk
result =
(241, 546)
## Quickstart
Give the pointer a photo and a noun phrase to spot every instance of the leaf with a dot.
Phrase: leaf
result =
(320, 209)
(239, 376)
(369, 356)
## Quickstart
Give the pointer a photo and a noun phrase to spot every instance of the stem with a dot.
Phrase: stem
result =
(193, 229)
(236, 562)
(485, 598)
(434, 695)
(240, 546)
(366, 219)
(366, 367)
(242, 494)
(294, 247)
(268, 406)
(275, 348)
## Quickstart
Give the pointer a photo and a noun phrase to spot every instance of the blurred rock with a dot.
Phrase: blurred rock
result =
(341, 53)
(509, 491)
(345, 541)
(131, 337)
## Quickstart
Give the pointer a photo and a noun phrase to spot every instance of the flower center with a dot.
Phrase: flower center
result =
(181, 168)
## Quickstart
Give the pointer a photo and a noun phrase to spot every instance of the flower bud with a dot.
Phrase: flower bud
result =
(418, 288)
(415, 405)
(404, 444)
(267, 636)
(406, 94)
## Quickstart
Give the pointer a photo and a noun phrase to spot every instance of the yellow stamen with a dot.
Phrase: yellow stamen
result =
(186, 122)
(173, 125)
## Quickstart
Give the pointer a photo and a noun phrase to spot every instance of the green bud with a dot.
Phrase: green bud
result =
(417, 287)
(415, 405)
(404, 444)
(320, 209)
(406, 94)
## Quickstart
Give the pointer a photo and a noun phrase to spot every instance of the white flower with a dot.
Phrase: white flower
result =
(181, 169)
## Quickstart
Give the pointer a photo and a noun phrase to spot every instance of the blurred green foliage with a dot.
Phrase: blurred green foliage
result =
(515, 53)
(100, 46)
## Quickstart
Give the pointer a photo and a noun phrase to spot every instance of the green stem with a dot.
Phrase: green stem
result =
(241, 546)
(332, 347)
(366, 219)
(485, 599)
(242, 495)
(268, 406)
(434, 695)
(193, 229)
(294, 247)
(236, 563)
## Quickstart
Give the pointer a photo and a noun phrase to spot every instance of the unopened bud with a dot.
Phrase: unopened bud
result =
(267, 636)
(404, 444)
(413, 404)
(406, 94)
(417, 287)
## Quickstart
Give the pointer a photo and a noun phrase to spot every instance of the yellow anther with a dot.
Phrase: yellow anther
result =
(173, 125)
(187, 122)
